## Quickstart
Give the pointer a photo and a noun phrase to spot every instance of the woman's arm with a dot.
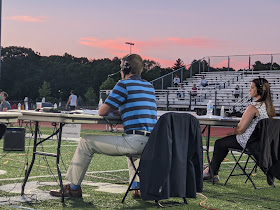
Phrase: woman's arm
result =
(246, 119)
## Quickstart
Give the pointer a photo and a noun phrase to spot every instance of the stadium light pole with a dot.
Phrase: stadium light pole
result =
(130, 43)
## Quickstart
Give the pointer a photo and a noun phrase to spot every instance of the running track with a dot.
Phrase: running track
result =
(215, 131)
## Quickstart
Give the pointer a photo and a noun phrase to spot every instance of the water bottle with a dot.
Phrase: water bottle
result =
(26, 103)
(100, 103)
(222, 114)
(19, 106)
(210, 108)
(55, 106)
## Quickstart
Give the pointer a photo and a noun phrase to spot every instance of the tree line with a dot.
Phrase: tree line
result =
(27, 73)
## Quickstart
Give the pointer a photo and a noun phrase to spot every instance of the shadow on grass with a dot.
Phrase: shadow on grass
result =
(234, 195)
(79, 203)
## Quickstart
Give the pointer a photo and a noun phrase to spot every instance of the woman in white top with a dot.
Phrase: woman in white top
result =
(261, 108)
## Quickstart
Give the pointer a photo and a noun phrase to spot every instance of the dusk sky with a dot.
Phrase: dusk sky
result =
(162, 30)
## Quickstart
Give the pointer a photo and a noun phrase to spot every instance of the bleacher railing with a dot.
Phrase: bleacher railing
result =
(231, 62)
(170, 99)
(183, 73)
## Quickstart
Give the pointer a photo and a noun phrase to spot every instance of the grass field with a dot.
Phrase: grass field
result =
(112, 172)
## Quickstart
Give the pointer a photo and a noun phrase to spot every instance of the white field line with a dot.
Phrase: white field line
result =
(46, 176)
(92, 172)
(49, 146)
(239, 162)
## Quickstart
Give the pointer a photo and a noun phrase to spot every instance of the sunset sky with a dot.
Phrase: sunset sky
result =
(162, 30)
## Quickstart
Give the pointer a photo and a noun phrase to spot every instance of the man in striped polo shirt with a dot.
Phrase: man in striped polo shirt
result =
(135, 98)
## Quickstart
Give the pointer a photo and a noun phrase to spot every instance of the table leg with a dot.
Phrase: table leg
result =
(33, 158)
(207, 152)
(57, 161)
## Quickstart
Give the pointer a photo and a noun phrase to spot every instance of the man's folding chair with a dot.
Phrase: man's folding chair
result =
(245, 170)
(134, 176)
(171, 162)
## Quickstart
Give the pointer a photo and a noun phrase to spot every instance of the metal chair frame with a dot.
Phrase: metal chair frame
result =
(160, 205)
(243, 169)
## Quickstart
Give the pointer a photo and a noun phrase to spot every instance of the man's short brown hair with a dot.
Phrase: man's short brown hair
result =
(136, 63)
(5, 94)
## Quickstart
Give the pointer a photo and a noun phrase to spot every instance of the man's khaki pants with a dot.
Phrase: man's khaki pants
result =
(127, 144)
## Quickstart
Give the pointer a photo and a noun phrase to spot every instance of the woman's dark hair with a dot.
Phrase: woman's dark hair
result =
(263, 89)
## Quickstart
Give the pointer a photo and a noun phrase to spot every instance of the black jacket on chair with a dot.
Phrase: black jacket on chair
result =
(265, 147)
(171, 164)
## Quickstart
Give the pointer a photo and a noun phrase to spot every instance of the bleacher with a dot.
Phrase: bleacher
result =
(220, 89)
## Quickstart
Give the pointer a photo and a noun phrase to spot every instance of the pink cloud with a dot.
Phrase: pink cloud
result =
(117, 47)
(27, 18)
(106, 44)
(158, 43)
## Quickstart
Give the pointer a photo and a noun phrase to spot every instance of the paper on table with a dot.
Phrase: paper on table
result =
(87, 111)
(212, 117)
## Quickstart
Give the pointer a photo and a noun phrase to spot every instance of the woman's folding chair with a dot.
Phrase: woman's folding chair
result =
(246, 171)
(263, 149)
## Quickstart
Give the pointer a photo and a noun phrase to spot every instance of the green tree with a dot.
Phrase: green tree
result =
(108, 84)
(80, 101)
(275, 66)
(45, 90)
(178, 64)
(90, 95)
(151, 70)
(20, 72)
(259, 66)
(150, 64)
(151, 74)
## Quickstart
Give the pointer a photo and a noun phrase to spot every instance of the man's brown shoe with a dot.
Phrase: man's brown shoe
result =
(136, 194)
(68, 192)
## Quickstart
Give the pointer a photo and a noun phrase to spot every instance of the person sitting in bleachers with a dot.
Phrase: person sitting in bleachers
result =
(176, 81)
(181, 91)
(203, 82)
(194, 90)
(236, 92)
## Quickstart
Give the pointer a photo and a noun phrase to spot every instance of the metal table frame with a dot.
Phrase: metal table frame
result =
(214, 121)
(61, 119)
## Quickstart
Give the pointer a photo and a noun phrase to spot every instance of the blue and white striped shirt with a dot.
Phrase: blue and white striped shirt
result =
(135, 98)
